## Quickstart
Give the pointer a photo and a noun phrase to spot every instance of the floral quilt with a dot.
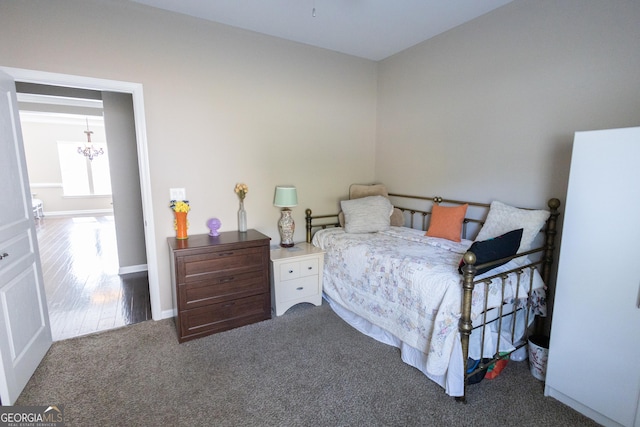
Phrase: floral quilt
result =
(407, 284)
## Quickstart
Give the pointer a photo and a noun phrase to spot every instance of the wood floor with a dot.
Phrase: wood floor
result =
(84, 292)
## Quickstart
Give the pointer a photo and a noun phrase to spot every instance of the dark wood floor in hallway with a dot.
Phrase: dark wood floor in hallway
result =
(84, 292)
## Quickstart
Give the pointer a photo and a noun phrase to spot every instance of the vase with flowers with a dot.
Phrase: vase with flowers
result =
(241, 190)
(180, 224)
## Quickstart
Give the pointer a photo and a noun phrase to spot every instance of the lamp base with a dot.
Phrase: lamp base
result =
(286, 226)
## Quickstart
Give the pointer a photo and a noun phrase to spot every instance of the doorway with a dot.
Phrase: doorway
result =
(88, 290)
(135, 89)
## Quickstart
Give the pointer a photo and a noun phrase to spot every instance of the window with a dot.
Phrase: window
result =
(81, 176)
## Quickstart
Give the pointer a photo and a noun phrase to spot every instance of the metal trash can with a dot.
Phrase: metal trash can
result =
(538, 354)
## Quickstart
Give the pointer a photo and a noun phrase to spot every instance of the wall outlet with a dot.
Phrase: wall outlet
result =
(177, 194)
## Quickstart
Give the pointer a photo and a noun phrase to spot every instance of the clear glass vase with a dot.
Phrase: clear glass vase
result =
(242, 218)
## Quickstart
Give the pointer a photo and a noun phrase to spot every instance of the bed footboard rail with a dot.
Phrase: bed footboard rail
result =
(469, 282)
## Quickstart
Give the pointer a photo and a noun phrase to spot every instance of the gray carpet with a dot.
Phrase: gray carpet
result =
(305, 368)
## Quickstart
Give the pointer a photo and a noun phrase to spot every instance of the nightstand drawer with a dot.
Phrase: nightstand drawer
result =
(295, 269)
(295, 289)
(220, 289)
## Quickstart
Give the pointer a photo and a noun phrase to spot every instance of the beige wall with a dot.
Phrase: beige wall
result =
(222, 106)
(488, 110)
(120, 130)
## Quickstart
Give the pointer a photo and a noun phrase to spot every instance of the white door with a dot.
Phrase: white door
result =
(25, 334)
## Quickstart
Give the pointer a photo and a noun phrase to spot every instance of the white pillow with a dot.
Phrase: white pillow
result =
(366, 215)
(504, 218)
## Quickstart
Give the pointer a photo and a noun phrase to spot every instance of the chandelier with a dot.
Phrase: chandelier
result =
(89, 151)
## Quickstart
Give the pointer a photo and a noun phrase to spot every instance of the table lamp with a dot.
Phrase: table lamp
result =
(286, 197)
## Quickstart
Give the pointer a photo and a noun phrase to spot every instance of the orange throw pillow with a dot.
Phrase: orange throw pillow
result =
(446, 222)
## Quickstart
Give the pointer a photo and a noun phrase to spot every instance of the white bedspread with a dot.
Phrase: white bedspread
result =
(407, 284)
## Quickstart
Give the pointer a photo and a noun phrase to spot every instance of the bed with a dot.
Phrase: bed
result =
(404, 270)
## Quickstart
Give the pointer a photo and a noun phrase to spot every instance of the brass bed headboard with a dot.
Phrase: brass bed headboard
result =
(414, 215)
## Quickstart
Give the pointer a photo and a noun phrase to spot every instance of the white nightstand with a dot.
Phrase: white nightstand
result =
(296, 276)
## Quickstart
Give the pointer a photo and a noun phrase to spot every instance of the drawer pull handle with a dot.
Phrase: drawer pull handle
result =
(309, 268)
(225, 254)
(290, 271)
(4, 255)
(231, 304)
(299, 289)
(227, 279)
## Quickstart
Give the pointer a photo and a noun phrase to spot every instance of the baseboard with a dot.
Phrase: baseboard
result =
(584, 410)
(167, 314)
(132, 269)
(81, 212)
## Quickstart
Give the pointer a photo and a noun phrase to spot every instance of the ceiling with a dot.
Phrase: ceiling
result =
(371, 29)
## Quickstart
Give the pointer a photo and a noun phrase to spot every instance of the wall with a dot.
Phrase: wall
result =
(488, 110)
(125, 181)
(222, 106)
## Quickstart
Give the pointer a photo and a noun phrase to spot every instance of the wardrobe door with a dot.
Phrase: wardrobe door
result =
(594, 352)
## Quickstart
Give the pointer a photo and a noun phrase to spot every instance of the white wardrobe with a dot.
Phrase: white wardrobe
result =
(594, 351)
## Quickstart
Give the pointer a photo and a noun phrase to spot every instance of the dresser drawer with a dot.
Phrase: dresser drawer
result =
(294, 269)
(224, 288)
(297, 288)
(220, 263)
(225, 315)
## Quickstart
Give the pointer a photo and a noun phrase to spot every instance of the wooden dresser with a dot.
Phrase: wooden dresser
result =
(219, 283)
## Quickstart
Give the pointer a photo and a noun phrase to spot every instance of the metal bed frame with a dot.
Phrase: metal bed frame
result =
(418, 218)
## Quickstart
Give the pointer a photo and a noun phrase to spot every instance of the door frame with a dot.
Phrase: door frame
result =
(135, 89)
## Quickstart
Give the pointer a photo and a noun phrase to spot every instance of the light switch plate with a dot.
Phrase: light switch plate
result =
(177, 194)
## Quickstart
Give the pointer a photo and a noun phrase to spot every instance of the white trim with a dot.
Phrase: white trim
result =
(59, 100)
(46, 185)
(135, 89)
(63, 119)
(79, 212)
(133, 269)
(89, 196)
(168, 314)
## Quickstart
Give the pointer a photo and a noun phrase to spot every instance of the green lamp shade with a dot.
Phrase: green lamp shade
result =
(285, 197)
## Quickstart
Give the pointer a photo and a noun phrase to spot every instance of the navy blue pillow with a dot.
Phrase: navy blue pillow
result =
(495, 249)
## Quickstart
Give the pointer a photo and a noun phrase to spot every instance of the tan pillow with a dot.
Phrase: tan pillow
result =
(446, 222)
(358, 191)
(397, 218)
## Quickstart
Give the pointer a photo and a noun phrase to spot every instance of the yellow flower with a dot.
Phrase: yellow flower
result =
(241, 190)
(180, 206)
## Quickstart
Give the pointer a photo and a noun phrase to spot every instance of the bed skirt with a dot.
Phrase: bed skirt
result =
(452, 381)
